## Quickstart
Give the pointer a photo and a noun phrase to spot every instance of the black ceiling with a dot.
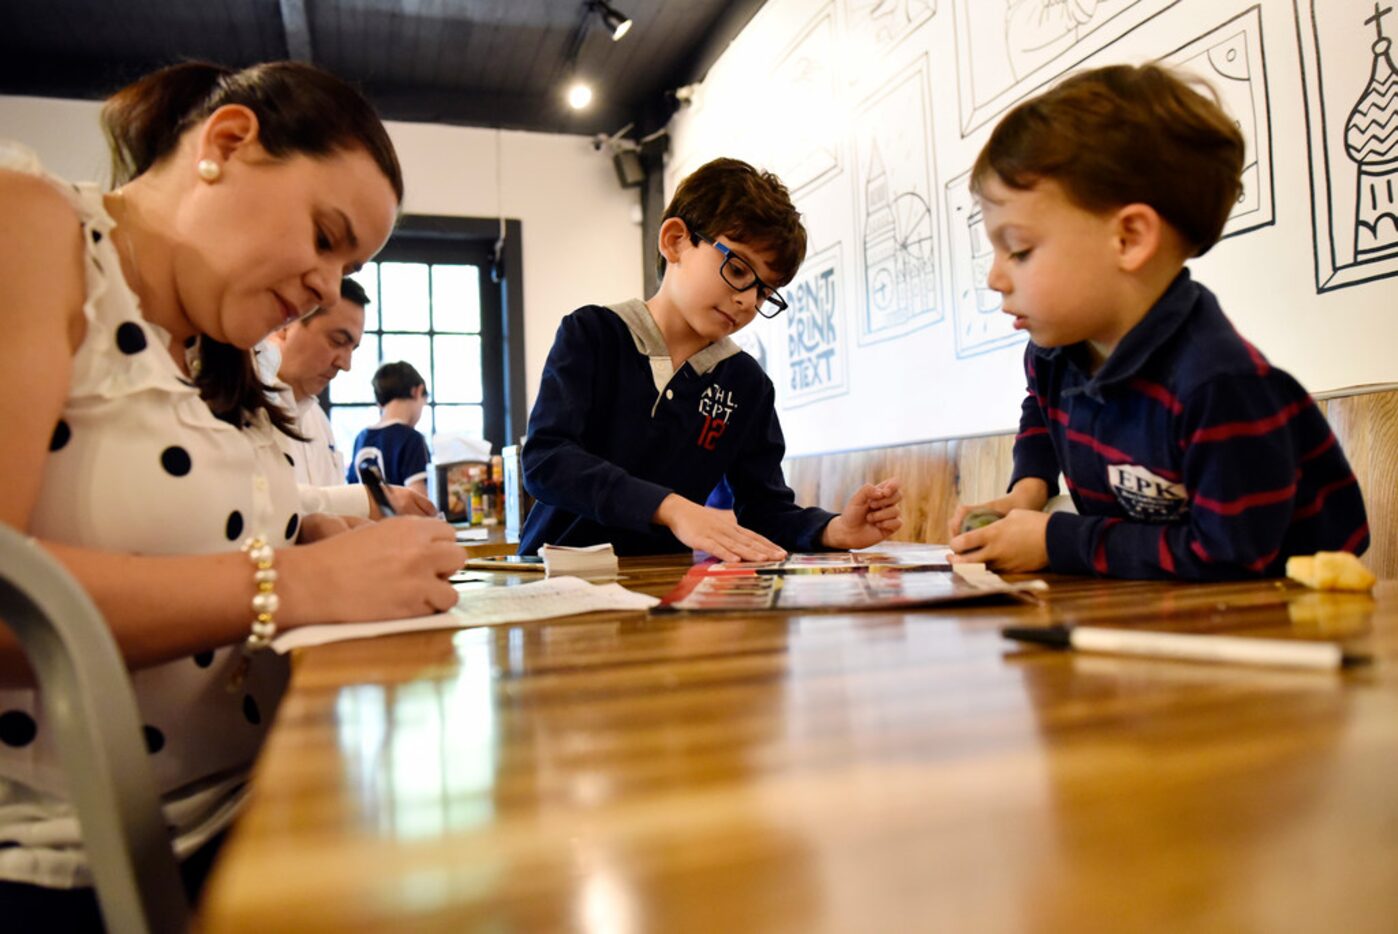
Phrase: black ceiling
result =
(472, 62)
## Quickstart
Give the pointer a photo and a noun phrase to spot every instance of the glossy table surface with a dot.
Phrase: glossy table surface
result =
(831, 772)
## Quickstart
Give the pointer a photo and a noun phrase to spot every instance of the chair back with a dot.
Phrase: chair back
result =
(91, 709)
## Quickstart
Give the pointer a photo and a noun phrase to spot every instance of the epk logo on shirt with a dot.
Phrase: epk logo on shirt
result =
(1146, 496)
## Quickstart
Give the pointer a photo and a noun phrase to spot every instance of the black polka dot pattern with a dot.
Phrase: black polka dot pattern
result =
(97, 236)
(250, 710)
(288, 459)
(155, 740)
(292, 525)
(61, 434)
(204, 659)
(234, 527)
(17, 728)
(175, 460)
(130, 338)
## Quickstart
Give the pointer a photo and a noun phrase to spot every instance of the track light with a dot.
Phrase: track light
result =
(618, 23)
(579, 95)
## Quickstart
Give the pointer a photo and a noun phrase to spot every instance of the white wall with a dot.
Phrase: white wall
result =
(811, 88)
(581, 230)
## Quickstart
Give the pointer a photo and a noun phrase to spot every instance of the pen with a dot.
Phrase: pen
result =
(370, 475)
(1284, 653)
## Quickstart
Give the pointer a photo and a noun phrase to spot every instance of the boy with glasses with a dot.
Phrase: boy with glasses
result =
(645, 406)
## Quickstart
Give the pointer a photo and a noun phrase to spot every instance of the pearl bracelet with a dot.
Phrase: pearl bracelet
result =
(265, 602)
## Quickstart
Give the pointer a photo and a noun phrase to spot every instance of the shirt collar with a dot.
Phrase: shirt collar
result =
(1159, 324)
(649, 341)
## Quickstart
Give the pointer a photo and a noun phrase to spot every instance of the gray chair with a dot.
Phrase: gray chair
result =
(91, 710)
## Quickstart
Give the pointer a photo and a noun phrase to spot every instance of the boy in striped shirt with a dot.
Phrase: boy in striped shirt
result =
(1187, 455)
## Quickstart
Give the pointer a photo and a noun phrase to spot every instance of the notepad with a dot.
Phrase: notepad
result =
(484, 606)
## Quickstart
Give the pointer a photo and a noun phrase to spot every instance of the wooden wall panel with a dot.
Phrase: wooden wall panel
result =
(937, 475)
(1367, 427)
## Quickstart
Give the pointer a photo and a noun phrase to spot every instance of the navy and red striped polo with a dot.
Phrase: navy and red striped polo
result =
(1187, 454)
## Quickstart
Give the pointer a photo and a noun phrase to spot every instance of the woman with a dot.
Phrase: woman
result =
(142, 449)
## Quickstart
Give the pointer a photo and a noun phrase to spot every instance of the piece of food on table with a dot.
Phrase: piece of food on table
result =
(1330, 570)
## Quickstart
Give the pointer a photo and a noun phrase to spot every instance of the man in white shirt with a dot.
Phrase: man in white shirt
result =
(314, 351)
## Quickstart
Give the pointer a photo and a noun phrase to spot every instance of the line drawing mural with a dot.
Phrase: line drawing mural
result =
(1232, 59)
(1347, 68)
(1006, 49)
(979, 324)
(816, 333)
(873, 28)
(805, 145)
(894, 209)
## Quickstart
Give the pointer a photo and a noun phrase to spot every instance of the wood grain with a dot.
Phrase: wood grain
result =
(1367, 428)
(830, 772)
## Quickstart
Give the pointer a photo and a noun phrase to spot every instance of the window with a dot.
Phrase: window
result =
(433, 304)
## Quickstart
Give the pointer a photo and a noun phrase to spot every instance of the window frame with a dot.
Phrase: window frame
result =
(435, 239)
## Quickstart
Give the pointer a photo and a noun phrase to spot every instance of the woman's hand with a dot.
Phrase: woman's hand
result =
(383, 570)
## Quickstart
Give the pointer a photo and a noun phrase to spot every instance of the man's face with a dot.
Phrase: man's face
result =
(315, 352)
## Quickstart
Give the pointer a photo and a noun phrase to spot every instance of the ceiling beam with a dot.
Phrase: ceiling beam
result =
(297, 29)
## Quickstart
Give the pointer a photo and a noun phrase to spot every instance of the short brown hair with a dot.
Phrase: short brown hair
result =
(396, 380)
(1126, 135)
(729, 198)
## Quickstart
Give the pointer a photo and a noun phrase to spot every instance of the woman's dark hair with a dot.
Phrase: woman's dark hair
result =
(300, 110)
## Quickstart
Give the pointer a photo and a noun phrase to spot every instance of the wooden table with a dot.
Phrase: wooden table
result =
(831, 772)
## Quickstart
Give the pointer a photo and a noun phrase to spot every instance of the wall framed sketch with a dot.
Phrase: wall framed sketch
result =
(1008, 49)
(1351, 89)
(895, 214)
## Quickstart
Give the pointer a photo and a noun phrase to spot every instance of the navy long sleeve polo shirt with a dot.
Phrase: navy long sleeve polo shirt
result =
(1187, 454)
(613, 432)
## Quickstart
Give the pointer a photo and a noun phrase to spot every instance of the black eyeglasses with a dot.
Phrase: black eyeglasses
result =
(741, 277)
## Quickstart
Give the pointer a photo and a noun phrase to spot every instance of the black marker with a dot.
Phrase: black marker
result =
(370, 475)
(1283, 653)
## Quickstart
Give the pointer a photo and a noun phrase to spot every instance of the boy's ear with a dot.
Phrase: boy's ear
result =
(1138, 231)
(674, 235)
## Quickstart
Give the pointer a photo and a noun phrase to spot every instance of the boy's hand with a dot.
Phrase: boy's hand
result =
(871, 515)
(715, 531)
(1028, 493)
(1016, 544)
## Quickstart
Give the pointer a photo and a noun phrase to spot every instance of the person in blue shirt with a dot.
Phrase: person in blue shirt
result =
(644, 406)
(394, 445)
(1186, 453)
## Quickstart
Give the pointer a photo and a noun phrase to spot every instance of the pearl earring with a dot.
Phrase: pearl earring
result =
(208, 170)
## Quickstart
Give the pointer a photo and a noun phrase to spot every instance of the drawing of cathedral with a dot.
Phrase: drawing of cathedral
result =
(1371, 141)
(880, 247)
(900, 264)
